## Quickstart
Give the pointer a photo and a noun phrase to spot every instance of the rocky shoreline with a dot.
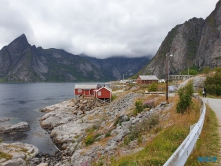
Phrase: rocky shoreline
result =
(70, 126)
(72, 123)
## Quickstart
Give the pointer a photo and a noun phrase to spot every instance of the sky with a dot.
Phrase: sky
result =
(97, 28)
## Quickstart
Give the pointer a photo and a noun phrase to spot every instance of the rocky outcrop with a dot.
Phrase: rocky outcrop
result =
(4, 120)
(13, 132)
(195, 43)
(20, 153)
(19, 127)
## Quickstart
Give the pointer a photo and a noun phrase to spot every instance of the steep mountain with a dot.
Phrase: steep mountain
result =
(195, 43)
(21, 62)
(119, 66)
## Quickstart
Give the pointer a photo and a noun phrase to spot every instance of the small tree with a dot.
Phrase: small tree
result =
(185, 95)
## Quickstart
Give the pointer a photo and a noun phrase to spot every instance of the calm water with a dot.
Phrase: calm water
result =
(21, 102)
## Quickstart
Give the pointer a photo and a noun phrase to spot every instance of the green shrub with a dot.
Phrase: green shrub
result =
(213, 83)
(117, 121)
(153, 87)
(107, 134)
(113, 97)
(89, 140)
(206, 70)
(185, 98)
(139, 106)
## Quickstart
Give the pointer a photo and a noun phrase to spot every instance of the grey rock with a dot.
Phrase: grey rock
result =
(121, 135)
(19, 127)
(14, 162)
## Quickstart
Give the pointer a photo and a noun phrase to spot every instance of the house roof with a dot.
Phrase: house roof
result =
(85, 86)
(148, 77)
(106, 87)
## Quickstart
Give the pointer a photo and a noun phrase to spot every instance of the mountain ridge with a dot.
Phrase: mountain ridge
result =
(21, 62)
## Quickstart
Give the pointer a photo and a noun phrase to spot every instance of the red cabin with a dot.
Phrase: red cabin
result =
(86, 90)
(103, 93)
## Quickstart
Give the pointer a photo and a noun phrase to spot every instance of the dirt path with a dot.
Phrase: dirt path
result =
(215, 105)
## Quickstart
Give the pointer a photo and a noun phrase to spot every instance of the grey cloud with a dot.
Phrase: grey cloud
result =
(97, 27)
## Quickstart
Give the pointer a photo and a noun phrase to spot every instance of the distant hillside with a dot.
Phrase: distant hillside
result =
(195, 44)
(115, 67)
(21, 62)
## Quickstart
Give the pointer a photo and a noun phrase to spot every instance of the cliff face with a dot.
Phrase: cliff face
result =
(209, 52)
(21, 62)
(196, 42)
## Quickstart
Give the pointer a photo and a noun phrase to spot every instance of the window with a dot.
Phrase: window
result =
(79, 90)
(99, 93)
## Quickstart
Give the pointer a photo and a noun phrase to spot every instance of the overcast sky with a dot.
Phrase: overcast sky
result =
(99, 28)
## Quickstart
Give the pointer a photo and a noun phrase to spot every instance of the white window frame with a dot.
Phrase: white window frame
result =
(79, 90)
(99, 93)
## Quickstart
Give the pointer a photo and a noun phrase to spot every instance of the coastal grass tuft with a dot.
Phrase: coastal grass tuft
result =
(6, 156)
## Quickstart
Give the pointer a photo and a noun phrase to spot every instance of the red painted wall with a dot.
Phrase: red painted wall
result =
(84, 92)
(104, 93)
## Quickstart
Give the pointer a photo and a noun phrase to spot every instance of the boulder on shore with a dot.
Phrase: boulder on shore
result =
(19, 127)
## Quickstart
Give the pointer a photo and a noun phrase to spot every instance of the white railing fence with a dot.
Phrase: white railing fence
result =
(180, 156)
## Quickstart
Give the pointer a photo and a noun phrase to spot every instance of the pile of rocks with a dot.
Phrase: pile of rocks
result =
(20, 153)
(78, 106)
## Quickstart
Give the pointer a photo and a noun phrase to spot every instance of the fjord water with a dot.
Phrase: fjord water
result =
(21, 102)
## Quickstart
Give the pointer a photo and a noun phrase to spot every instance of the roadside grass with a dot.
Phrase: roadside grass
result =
(159, 149)
(208, 143)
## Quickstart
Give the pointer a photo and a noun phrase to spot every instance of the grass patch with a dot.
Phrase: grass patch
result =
(6, 156)
(158, 150)
(208, 142)
(91, 138)
(92, 129)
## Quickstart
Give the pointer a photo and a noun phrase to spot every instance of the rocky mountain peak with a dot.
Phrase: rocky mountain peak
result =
(196, 43)
(18, 45)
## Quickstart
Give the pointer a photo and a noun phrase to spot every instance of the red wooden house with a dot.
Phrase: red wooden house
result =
(86, 90)
(103, 93)
(147, 79)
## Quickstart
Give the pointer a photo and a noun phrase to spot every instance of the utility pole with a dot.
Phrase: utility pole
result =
(123, 82)
(167, 76)
(167, 101)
